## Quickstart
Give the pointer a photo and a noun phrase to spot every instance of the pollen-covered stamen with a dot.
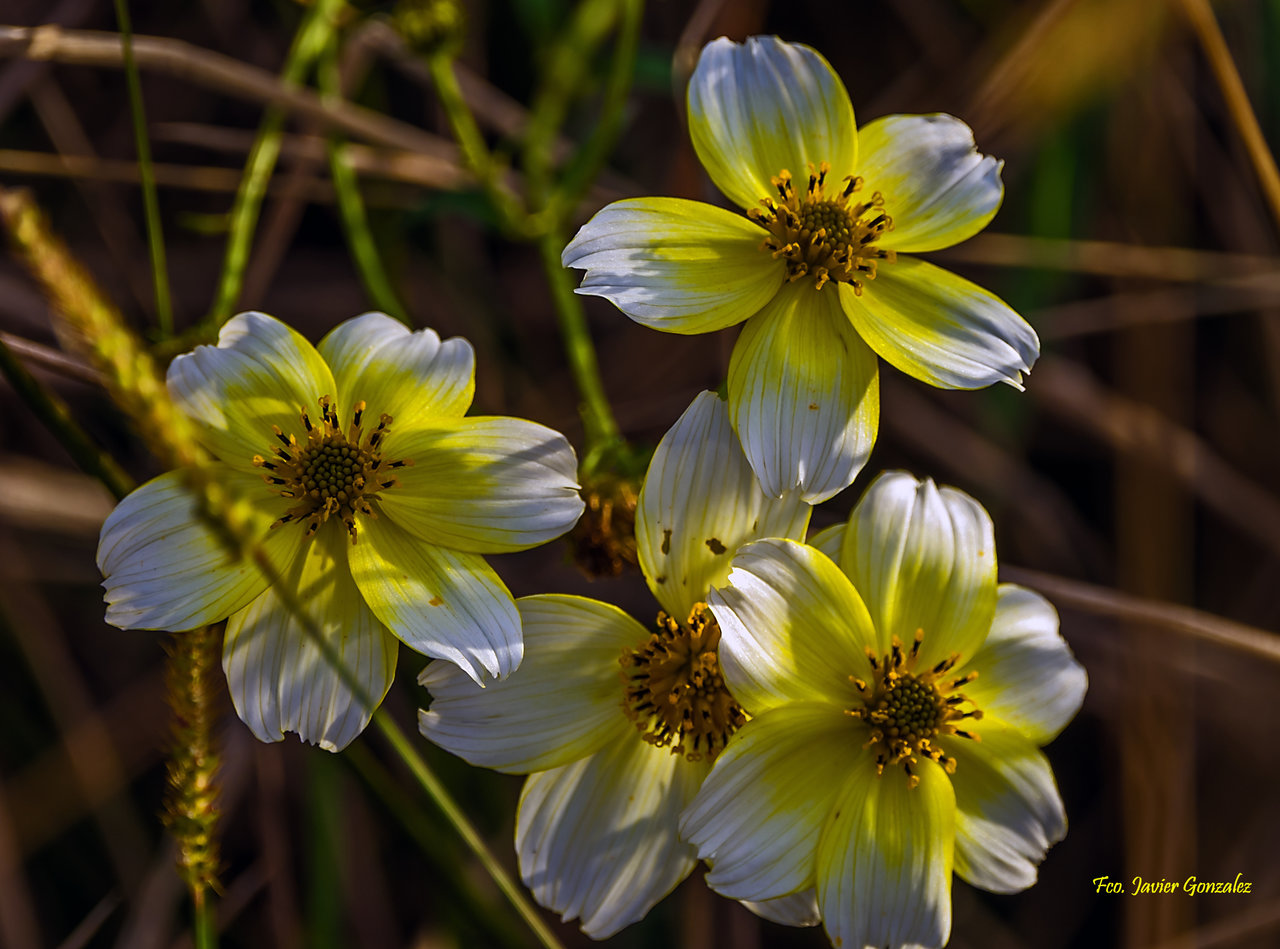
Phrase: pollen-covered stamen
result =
(674, 691)
(908, 708)
(331, 473)
(826, 237)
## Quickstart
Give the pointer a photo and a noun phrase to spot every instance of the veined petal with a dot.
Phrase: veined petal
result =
(792, 628)
(923, 559)
(797, 909)
(884, 863)
(830, 540)
(941, 328)
(562, 704)
(754, 820)
(261, 373)
(937, 187)
(165, 567)
(804, 394)
(675, 265)
(483, 484)
(279, 680)
(762, 106)
(1027, 676)
(1008, 812)
(407, 375)
(447, 604)
(700, 502)
(597, 838)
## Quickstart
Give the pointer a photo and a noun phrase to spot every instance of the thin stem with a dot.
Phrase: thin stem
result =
(566, 68)
(599, 426)
(55, 415)
(355, 224)
(312, 37)
(204, 925)
(454, 814)
(155, 236)
(416, 764)
(476, 155)
(591, 155)
(1200, 14)
(459, 891)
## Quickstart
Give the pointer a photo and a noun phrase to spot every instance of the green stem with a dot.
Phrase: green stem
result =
(599, 426)
(56, 417)
(204, 926)
(355, 223)
(460, 892)
(475, 153)
(453, 813)
(416, 764)
(566, 69)
(312, 37)
(151, 207)
(604, 133)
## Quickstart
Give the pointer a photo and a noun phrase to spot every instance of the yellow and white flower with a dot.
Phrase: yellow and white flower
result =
(816, 265)
(898, 698)
(376, 499)
(616, 725)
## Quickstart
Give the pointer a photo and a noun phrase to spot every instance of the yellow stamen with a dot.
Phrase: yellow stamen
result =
(831, 239)
(674, 691)
(331, 474)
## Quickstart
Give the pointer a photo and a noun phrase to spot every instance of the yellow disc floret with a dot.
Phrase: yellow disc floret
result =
(909, 708)
(674, 691)
(828, 238)
(332, 474)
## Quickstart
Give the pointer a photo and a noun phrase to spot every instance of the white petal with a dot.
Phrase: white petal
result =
(1027, 676)
(923, 559)
(675, 265)
(279, 680)
(804, 394)
(562, 704)
(377, 360)
(261, 373)
(444, 603)
(487, 485)
(792, 628)
(1008, 809)
(700, 502)
(937, 188)
(759, 814)
(884, 863)
(764, 106)
(798, 909)
(941, 328)
(165, 567)
(830, 540)
(597, 839)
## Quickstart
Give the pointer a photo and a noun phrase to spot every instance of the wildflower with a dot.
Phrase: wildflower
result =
(912, 693)
(615, 725)
(376, 498)
(816, 266)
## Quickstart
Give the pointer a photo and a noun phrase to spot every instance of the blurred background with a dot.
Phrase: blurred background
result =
(1136, 482)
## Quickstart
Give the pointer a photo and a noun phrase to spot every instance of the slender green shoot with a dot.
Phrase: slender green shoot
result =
(151, 207)
(475, 152)
(313, 35)
(599, 426)
(56, 417)
(355, 223)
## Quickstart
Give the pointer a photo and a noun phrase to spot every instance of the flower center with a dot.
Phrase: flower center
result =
(332, 474)
(827, 238)
(674, 692)
(908, 709)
